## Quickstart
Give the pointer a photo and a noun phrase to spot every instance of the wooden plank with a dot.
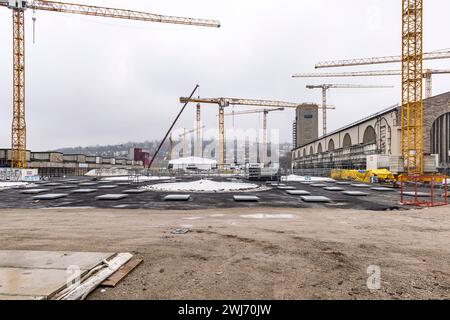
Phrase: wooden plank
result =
(82, 291)
(122, 273)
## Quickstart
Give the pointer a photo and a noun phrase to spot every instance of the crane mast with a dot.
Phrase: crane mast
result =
(412, 83)
(18, 7)
(326, 87)
(226, 102)
(265, 113)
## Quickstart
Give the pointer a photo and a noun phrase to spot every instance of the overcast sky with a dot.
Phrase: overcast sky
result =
(103, 81)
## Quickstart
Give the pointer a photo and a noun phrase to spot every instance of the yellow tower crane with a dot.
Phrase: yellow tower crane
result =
(436, 55)
(326, 87)
(427, 75)
(412, 82)
(265, 113)
(226, 102)
(18, 7)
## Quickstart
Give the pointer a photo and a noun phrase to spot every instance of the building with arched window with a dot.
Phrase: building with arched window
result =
(377, 135)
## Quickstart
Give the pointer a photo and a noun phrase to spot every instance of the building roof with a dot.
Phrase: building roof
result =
(380, 113)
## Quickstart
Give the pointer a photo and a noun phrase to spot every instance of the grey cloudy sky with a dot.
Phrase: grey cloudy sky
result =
(103, 81)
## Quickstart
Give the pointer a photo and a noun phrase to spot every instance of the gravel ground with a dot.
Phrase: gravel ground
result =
(253, 252)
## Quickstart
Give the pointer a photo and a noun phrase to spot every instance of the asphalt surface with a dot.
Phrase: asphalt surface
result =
(274, 197)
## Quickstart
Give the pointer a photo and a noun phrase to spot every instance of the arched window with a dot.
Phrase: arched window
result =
(440, 139)
(370, 136)
(331, 146)
(319, 148)
(347, 143)
(311, 150)
(304, 152)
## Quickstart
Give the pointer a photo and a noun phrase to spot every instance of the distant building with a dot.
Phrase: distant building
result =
(306, 126)
(379, 135)
(137, 154)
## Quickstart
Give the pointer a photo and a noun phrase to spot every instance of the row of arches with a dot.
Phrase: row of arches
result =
(369, 137)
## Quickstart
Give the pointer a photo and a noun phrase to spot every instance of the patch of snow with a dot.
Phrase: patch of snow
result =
(202, 186)
(138, 178)
(10, 184)
(268, 216)
(296, 178)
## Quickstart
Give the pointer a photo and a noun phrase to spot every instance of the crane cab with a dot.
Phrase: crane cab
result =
(17, 4)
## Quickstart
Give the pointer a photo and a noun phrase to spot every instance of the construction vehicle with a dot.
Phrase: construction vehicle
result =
(326, 87)
(226, 102)
(265, 113)
(427, 75)
(18, 8)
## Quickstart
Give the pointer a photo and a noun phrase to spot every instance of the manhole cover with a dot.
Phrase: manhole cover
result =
(112, 197)
(317, 199)
(355, 193)
(50, 196)
(108, 187)
(177, 197)
(134, 191)
(360, 185)
(334, 189)
(286, 188)
(84, 191)
(382, 189)
(35, 191)
(298, 193)
(246, 198)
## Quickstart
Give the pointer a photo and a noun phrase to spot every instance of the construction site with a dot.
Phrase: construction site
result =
(259, 181)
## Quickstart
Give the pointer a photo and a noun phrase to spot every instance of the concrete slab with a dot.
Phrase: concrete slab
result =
(53, 184)
(382, 189)
(177, 197)
(66, 187)
(334, 189)
(34, 275)
(319, 185)
(50, 259)
(112, 197)
(122, 184)
(419, 194)
(113, 186)
(84, 191)
(343, 183)
(35, 191)
(19, 298)
(286, 188)
(360, 185)
(73, 182)
(50, 196)
(298, 193)
(246, 198)
(318, 199)
(134, 191)
(355, 193)
(88, 184)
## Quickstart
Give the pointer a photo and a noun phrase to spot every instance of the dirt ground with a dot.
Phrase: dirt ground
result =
(252, 253)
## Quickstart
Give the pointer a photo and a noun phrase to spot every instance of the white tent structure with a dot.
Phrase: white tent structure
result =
(193, 163)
